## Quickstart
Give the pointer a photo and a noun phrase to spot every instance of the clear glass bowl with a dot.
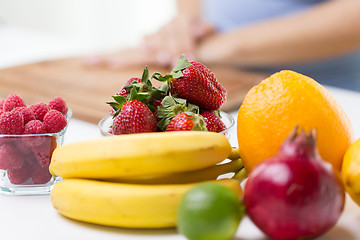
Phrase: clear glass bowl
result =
(106, 122)
(24, 162)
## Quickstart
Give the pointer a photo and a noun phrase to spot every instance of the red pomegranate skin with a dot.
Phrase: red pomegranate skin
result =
(295, 194)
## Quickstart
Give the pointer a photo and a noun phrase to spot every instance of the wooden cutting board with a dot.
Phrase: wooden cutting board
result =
(87, 89)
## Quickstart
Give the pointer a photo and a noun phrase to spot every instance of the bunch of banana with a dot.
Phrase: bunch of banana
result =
(137, 180)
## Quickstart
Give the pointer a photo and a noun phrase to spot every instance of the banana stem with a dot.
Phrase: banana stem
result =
(241, 175)
(234, 154)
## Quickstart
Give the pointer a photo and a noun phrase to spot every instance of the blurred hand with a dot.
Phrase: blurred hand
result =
(163, 48)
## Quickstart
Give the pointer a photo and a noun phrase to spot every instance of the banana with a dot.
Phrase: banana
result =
(140, 154)
(235, 154)
(121, 204)
(209, 173)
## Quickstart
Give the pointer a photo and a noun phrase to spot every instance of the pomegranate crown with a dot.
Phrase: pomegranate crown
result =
(300, 143)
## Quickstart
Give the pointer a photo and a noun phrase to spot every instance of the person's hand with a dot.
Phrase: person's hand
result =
(180, 36)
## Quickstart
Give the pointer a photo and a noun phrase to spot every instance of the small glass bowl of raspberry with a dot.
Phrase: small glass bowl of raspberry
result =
(25, 159)
(106, 123)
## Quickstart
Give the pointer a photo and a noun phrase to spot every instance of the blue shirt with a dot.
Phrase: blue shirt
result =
(226, 15)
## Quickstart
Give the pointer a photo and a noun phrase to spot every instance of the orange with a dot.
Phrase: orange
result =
(273, 108)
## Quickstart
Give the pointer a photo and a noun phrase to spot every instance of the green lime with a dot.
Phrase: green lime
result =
(209, 211)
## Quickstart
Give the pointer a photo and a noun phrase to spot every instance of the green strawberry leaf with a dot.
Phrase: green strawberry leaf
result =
(158, 76)
(145, 75)
(180, 65)
(119, 102)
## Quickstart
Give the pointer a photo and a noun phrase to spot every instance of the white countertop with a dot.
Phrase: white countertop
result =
(33, 217)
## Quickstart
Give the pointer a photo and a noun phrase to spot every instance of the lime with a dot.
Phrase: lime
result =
(209, 211)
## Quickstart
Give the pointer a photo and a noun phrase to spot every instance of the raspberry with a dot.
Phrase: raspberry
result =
(27, 113)
(11, 123)
(13, 101)
(57, 103)
(41, 175)
(44, 151)
(39, 109)
(54, 121)
(10, 158)
(20, 175)
(34, 127)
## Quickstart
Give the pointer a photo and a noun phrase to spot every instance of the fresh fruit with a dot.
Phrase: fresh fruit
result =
(196, 83)
(350, 171)
(10, 158)
(27, 113)
(209, 211)
(39, 109)
(273, 108)
(123, 92)
(205, 174)
(120, 204)
(140, 154)
(19, 175)
(294, 194)
(186, 121)
(11, 123)
(12, 101)
(59, 104)
(54, 121)
(213, 121)
(26, 156)
(134, 117)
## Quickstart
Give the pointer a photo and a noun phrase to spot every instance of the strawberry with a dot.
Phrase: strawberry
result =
(11, 123)
(139, 89)
(170, 107)
(213, 121)
(12, 101)
(58, 103)
(134, 117)
(123, 92)
(196, 83)
(187, 121)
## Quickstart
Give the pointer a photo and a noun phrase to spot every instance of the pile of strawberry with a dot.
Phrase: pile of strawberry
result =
(26, 156)
(189, 99)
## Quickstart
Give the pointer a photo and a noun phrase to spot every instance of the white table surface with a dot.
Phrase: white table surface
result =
(33, 217)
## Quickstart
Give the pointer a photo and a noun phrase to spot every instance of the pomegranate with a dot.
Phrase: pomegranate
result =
(294, 194)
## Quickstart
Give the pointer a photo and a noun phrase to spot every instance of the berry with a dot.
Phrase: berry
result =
(39, 109)
(27, 113)
(134, 117)
(57, 103)
(196, 83)
(213, 121)
(54, 121)
(186, 121)
(44, 151)
(34, 127)
(11, 123)
(12, 101)
(41, 174)
(19, 175)
(10, 158)
(123, 92)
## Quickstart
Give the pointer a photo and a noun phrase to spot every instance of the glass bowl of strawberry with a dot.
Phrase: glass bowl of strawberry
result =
(215, 121)
(28, 136)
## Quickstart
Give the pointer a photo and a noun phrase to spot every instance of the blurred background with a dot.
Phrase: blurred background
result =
(41, 29)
